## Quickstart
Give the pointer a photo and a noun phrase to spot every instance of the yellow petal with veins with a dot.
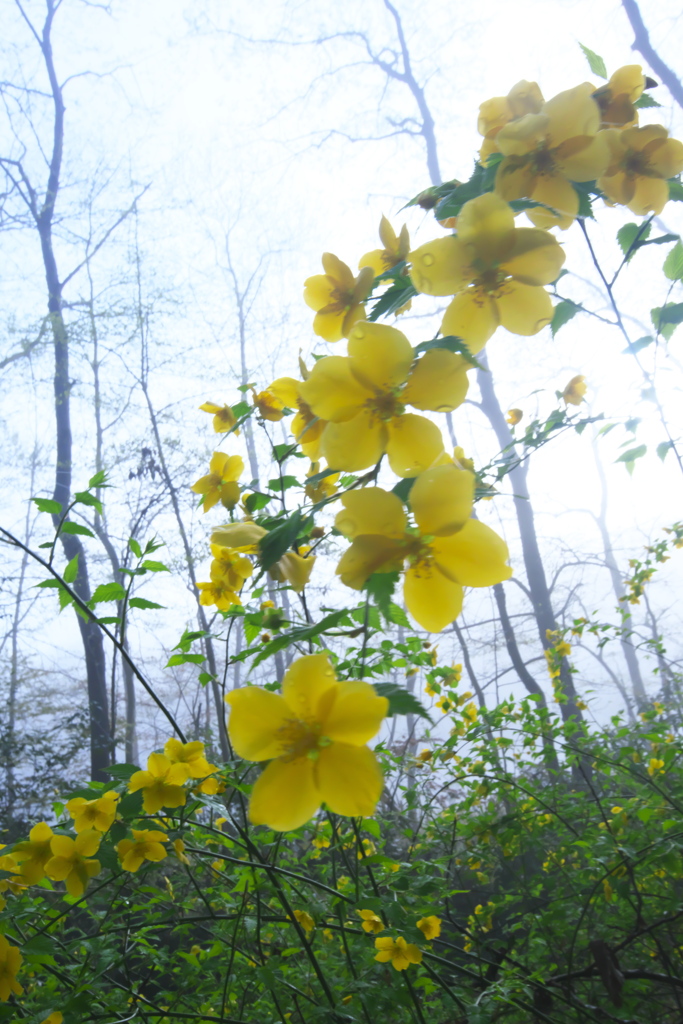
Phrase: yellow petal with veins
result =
(371, 510)
(285, 795)
(474, 557)
(441, 267)
(370, 553)
(414, 444)
(307, 683)
(650, 196)
(487, 224)
(555, 191)
(338, 270)
(380, 356)
(471, 316)
(524, 309)
(355, 444)
(332, 391)
(536, 257)
(349, 779)
(572, 112)
(583, 158)
(356, 714)
(433, 600)
(286, 390)
(438, 381)
(442, 499)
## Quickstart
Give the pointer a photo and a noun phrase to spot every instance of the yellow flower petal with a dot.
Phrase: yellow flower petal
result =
(524, 309)
(330, 326)
(475, 556)
(369, 553)
(286, 390)
(438, 382)
(441, 267)
(317, 291)
(308, 682)
(572, 112)
(355, 715)
(536, 257)
(414, 444)
(379, 356)
(488, 224)
(555, 191)
(650, 196)
(431, 599)
(355, 444)
(471, 316)
(256, 716)
(442, 499)
(583, 158)
(284, 795)
(349, 779)
(375, 260)
(332, 391)
(371, 510)
(238, 535)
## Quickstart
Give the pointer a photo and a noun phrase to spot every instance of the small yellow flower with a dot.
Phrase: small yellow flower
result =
(10, 964)
(98, 814)
(33, 853)
(641, 161)
(224, 418)
(269, 405)
(655, 766)
(190, 754)
(616, 98)
(70, 862)
(179, 848)
(371, 923)
(221, 482)
(398, 952)
(575, 390)
(305, 920)
(494, 114)
(425, 756)
(514, 416)
(395, 250)
(337, 297)
(161, 784)
(56, 1017)
(430, 927)
(145, 845)
(293, 568)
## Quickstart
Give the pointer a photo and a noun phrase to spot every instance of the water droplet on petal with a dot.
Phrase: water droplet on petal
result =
(428, 259)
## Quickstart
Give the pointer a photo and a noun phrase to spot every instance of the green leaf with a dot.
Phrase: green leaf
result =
(380, 587)
(585, 190)
(135, 547)
(675, 190)
(673, 264)
(630, 233)
(241, 409)
(71, 571)
(451, 344)
(629, 457)
(85, 498)
(398, 616)
(317, 477)
(401, 702)
(666, 318)
(107, 592)
(154, 566)
(663, 448)
(76, 528)
(281, 452)
(595, 63)
(98, 480)
(636, 346)
(403, 488)
(392, 299)
(646, 101)
(299, 635)
(122, 771)
(65, 598)
(283, 483)
(182, 659)
(256, 501)
(142, 602)
(562, 314)
(280, 539)
(47, 505)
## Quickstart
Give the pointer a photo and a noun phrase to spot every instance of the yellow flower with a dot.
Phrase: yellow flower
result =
(641, 161)
(33, 853)
(616, 98)
(218, 592)
(445, 552)
(307, 428)
(655, 766)
(514, 416)
(221, 482)
(424, 756)
(494, 114)
(495, 271)
(432, 689)
(371, 923)
(56, 1017)
(224, 418)
(145, 845)
(190, 754)
(364, 398)
(179, 849)
(229, 569)
(70, 863)
(315, 734)
(243, 537)
(269, 405)
(398, 952)
(98, 814)
(430, 927)
(161, 784)
(545, 152)
(337, 297)
(10, 964)
(574, 392)
(395, 250)
(325, 488)
(305, 920)
(294, 569)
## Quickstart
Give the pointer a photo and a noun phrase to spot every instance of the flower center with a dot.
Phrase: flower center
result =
(635, 163)
(300, 739)
(543, 161)
(339, 301)
(385, 405)
(492, 283)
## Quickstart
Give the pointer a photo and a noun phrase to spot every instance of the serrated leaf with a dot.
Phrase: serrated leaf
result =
(595, 62)
(49, 584)
(76, 528)
(71, 571)
(673, 264)
(183, 659)
(65, 598)
(299, 635)
(401, 702)
(564, 311)
(107, 592)
(666, 318)
(646, 101)
(283, 483)
(380, 587)
(280, 539)
(397, 615)
(47, 505)
(109, 620)
(135, 547)
(392, 299)
(627, 235)
(142, 602)
(85, 498)
(98, 480)
(451, 344)
(154, 566)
